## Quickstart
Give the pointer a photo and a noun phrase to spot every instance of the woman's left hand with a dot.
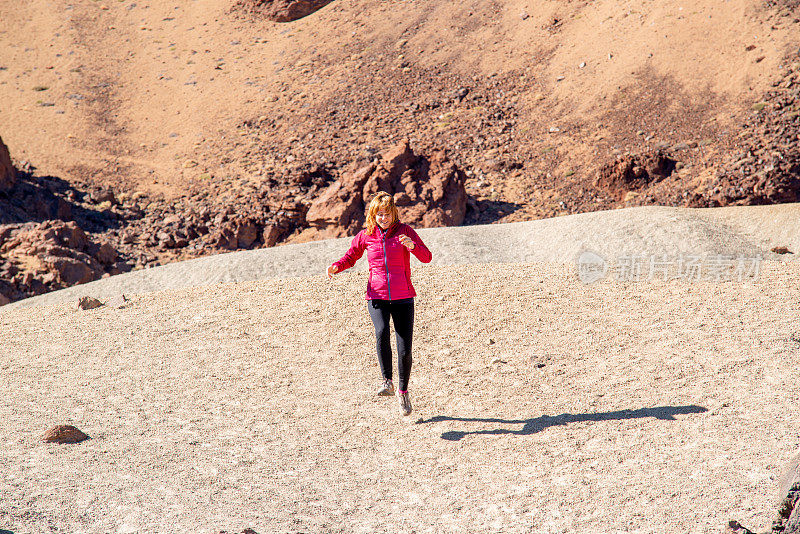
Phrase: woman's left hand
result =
(407, 242)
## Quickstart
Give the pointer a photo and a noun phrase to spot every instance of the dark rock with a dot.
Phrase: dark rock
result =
(734, 527)
(64, 434)
(88, 303)
(106, 254)
(632, 172)
(270, 235)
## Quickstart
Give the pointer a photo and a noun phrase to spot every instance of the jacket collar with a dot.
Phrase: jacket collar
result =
(389, 232)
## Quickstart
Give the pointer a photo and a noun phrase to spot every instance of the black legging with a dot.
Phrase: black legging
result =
(402, 312)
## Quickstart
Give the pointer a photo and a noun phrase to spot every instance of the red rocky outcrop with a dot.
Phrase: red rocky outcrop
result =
(284, 10)
(40, 257)
(428, 191)
(633, 171)
(8, 175)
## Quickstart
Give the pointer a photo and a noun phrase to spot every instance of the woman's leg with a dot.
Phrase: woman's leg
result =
(379, 312)
(403, 317)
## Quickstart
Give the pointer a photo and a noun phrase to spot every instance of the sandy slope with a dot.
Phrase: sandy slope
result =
(746, 231)
(541, 404)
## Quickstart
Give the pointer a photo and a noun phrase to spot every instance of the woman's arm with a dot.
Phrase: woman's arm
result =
(353, 254)
(420, 250)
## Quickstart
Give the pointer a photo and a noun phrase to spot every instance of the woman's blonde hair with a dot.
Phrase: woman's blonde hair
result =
(381, 201)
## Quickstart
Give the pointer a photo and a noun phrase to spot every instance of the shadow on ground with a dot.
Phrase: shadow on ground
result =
(42, 198)
(537, 424)
(488, 211)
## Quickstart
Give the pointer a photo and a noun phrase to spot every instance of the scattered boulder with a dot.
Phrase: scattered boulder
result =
(64, 434)
(284, 10)
(270, 235)
(634, 171)
(8, 175)
(88, 303)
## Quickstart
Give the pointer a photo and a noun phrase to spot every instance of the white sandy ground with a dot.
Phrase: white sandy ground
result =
(662, 406)
(740, 230)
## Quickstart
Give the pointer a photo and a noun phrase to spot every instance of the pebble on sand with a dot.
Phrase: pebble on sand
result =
(88, 303)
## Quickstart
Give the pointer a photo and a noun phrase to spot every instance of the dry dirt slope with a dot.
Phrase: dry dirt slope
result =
(134, 89)
(542, 405)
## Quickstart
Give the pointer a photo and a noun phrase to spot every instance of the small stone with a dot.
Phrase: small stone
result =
(582, 65)
(491, 341)
(495, 360)
(554, 129)
(64, 434)
(781, 250)
(560, 78)
(118, 301)
(88, 303)
(734, 527)
(524, 15)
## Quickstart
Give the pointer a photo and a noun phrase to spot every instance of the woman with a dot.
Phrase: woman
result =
(389, 244)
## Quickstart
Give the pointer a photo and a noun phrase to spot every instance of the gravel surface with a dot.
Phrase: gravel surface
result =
(541, 404)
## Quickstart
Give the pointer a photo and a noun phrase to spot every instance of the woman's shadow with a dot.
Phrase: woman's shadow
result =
(537, 424)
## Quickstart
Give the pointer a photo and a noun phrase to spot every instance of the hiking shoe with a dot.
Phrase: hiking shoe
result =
(405, 403)
(387, 389)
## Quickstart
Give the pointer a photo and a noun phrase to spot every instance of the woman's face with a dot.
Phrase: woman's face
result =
(384, 218)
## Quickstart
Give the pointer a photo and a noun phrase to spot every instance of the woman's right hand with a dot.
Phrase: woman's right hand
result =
(332, 270)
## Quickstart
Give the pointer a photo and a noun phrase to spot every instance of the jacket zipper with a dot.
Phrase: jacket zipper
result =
(386, 266)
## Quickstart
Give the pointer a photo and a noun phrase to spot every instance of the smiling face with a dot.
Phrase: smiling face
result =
(384, 218)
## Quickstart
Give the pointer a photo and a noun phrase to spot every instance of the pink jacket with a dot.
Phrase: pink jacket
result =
(389, 260)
